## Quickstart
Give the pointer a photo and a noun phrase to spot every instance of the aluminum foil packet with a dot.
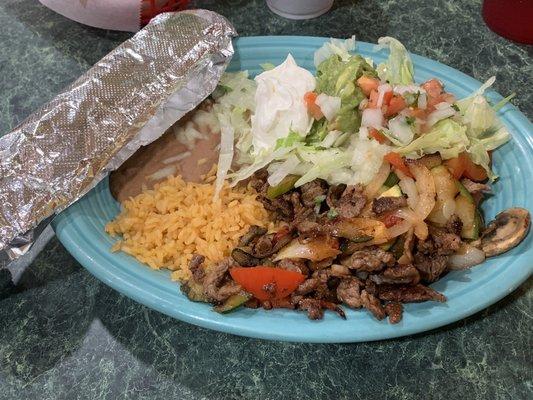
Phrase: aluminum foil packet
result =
(126, 100)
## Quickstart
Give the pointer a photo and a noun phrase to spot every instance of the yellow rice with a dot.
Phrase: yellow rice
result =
(165, 226)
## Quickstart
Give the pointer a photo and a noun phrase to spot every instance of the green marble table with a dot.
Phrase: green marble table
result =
(65, 335)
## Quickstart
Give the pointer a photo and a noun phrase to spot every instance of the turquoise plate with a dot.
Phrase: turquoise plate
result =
(81, 229)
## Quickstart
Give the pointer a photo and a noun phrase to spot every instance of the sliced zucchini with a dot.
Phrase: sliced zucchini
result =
(466, 210)
(472, 232)
(392, 180)
(232, 303)
(283, 187)
(387, 246)
(463, 191)
(397, 247)
(394, 191)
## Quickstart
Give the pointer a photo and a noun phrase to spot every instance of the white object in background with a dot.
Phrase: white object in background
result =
(299, 9)
(120, 15)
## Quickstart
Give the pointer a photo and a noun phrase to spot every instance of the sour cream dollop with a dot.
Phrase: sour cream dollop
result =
(279, 104)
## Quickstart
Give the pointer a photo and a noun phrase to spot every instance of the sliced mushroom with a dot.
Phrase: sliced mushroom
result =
(508, 229)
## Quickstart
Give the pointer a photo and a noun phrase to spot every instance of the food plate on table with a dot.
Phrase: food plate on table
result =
(82, 227)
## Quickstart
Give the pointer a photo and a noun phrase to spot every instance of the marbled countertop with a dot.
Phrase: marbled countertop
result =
(65, 335)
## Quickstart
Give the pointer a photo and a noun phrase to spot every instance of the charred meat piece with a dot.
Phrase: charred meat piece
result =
(334, 194)
(263, 246)
(259, 181)
(408, 293)
(394, 311)
(311, 228)
(475, 187)
(446, 243)
(350, 292)
(431, 267)
(218, 285)
(398, 274)
(439, 242)
(313, 190)
(307, 286)
(294, 264)
(196, 267)
(281, 207)
(370, 259)
(244, 258)
(320, 265)
(254, 232)
(351, 202)
(315, 308)
(382, 205)
(373, 304)
(277, 303)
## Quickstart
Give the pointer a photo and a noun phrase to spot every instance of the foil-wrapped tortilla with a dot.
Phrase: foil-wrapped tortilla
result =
(126, 100)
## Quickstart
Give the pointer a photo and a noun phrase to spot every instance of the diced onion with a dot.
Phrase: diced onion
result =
(467, 257)
(422, 101)
(372, 117)
(399, 229)
(330, 139)
(441, 113)
(377, 182)
(426, 190)
(329, 105)
(408, 187)
(314, 250)
(401, 130)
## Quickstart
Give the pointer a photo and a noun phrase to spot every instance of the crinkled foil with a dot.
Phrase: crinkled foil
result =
(128, 99)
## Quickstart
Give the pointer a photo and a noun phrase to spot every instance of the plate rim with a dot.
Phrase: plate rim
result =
(133, 286)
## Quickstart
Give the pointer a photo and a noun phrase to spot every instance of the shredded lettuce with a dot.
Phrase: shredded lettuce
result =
(338, 47)
(278, 171)
(289, 141)
(446, 137)
(398, 69)
(232, 109)
(484, 129)
(479, 148)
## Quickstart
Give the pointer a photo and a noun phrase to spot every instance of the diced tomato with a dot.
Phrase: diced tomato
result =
(416, 112)
(373, 99)
(367, 84)
(396, 104)
(473, 171)
(456, 166)
(266, 283)
(463, 166)
(377, 135)
(397, 162)
(432, 87)
(312, 107)
(374, 96)
(389, 219)
(387, 97)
